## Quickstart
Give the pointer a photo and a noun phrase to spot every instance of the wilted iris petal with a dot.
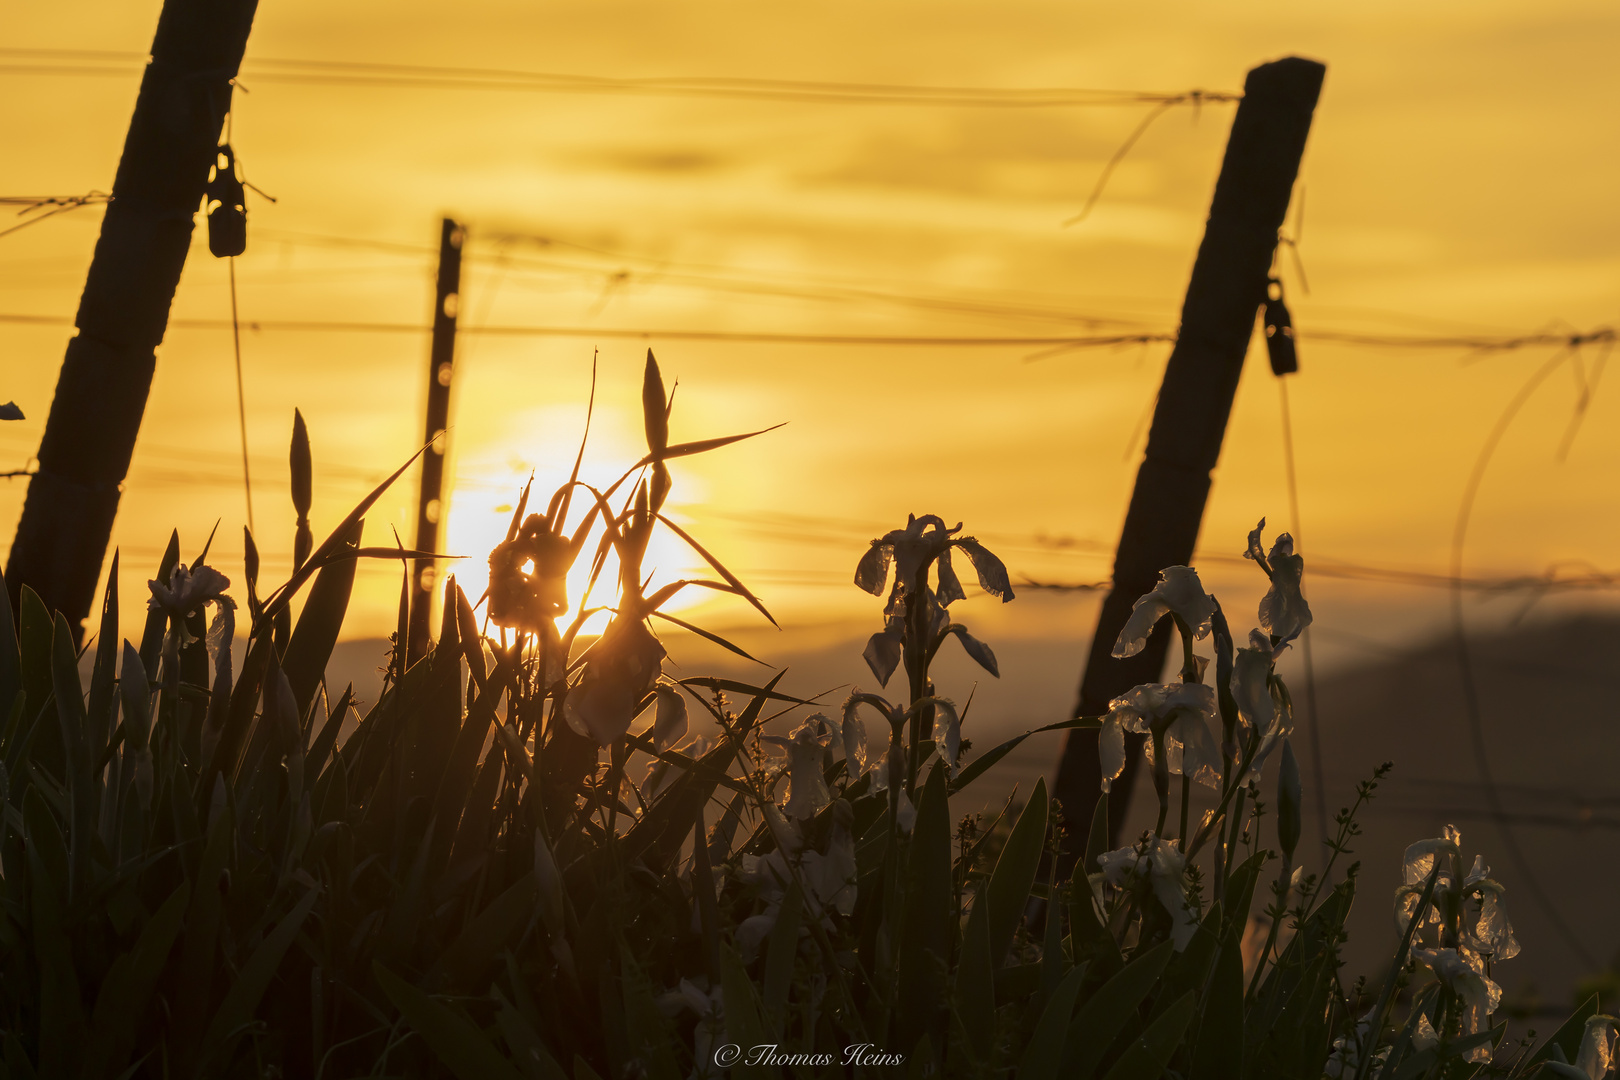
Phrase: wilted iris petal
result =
(1179, 593)
(947, 733)
(1418, 862)
(1251, 689)
(1464, 973)
(1256, 549)
(1594, 1056)
(1283, 610)
(981, 653)
(950, 586)
(853, 733)
(883, 652)
(1111, 750)
(873, 569)
(1190, 750)
(1139, 707)
(992, 572)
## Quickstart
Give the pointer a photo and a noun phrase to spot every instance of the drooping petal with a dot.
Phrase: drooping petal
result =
(1256, 549)
(1198, 757)
(950, 586)
(873, 569)
(981, 653)
(853, 734)
(1251, 684)
(882, 655)
(1111, 750)
(947, 733)
(992, 572)
(1178, 593)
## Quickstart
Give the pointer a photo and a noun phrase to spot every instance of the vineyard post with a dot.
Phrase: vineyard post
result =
(431, 503)
(106, 374)
(1228, 286)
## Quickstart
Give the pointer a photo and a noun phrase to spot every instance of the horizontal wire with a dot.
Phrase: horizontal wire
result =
(333, 72)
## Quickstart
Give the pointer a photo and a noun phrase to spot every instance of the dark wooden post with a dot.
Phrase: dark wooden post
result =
(431, 503)
(1217, 320)
(101, 394)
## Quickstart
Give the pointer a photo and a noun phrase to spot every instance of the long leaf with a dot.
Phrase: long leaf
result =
(1014, 875)
(1100, 1020)
(310, 647)
(976, 768)
(731, 579)
(925, 935)
(1043, 1056)
(241, 1001)
(278, 600)
(454, 1040)
(1147, 1056)
(81, 789)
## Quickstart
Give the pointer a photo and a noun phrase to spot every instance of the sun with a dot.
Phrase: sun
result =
(488, 482)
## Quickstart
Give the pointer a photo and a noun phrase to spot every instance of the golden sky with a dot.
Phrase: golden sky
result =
(1458, 179)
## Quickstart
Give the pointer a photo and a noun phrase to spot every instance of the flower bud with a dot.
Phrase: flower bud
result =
(1290, 797)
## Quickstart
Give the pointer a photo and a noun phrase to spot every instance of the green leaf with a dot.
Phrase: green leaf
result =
(128, 985)
(926, 932)
(1014, 875)
(974, 992)
(1102, 1018)
(1568, 1036)
(156, 621)
(81, 787)
(62, 1024)
(1043, 1056)
(531, 1054)
(100, 711)
(241, 1000)
(976, 768)
(310, 647)
(654, 414)
(11, 683)
(651, 1036)
(454, 1040)
(1097, 838)
(781, 950)
(1147, 1056)
(1218, 1050)
(745, 1025)
(475, 951)
(1091, 939)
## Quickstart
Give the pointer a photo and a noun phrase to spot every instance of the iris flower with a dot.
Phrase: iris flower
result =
(188, 590)
(805, 748)
(1182, 711)
(1178, 593)
(1283, 610)
(1164, 869)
